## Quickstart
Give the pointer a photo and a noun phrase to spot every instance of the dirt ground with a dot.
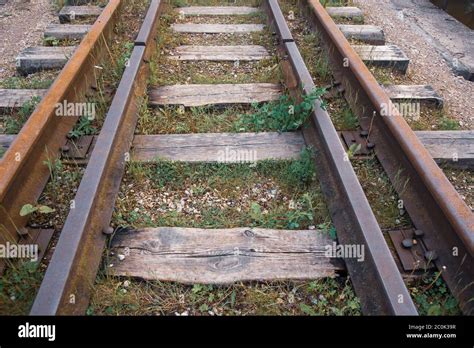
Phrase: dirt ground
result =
(22, 23)
(427, 66)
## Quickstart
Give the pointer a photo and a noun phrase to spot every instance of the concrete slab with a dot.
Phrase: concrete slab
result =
(452, 39)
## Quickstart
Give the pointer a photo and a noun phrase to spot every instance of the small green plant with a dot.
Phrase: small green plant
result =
(301, 171)
(349, 120)
(18, 287)
(328, 228)
(434, 297)
(448, 124)
(2, 151)
(302, 214)
(180, 3)
(82, 127)
(124, 58)
(13, 124)
(284, 115)
(51, 41)
(256, 212)
(55, 167)
(28, 209)
(166, 172)
(352, 150)
(322, 67)
(30, 82)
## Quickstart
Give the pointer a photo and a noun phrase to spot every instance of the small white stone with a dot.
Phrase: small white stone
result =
(126, 283)
(312, 227)
(121, 257)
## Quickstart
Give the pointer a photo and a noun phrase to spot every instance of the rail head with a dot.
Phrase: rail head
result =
(73, 267)
(351, 213)
(443, 191)
(433, 204)
(31, 133)
(23, 174)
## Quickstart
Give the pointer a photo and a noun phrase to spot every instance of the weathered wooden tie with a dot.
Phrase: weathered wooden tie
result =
(66, 31)
(218, 147)
(222, 256)
(216, 28)
(419, 93)
(352, 13)
(15, 98)
(214, 94)
(369, 34)
(220, 53)
(78, 13)
(217, 10)
(33, 59)
(200, 147)
(385, 56)
(454, 148)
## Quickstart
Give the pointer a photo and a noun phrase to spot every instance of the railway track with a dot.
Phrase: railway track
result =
(189, 255)
(23, 174)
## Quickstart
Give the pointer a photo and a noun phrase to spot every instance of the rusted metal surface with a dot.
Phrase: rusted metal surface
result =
(77, 149)
(351, 138)
(23, 173)
(150, 23)
(410, 250)
(277, 20)
(431, 201)
(40, 237)
(376, 280)
(75, 262)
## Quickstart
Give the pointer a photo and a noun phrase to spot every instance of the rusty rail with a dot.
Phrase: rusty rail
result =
(23, 174)
(72, 270)
(67, 283)
(429, 198)
(377, 281)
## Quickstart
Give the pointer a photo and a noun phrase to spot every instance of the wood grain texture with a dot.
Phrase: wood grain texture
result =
(216, 10)
(369, 34)
(214, 94)
(220, 256)
(454, 148)
(220, 53)
(66, 31)
(73, 13)
(348, 12)
(216, 28)
(15, 98)
(421, 93)
(33, 59)
(218, 147)
(385, 56)
(442, 145)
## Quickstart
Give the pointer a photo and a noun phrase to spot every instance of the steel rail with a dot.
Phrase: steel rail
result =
(377, 280)
(66, 286)
(23, 173)
(433, 204)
